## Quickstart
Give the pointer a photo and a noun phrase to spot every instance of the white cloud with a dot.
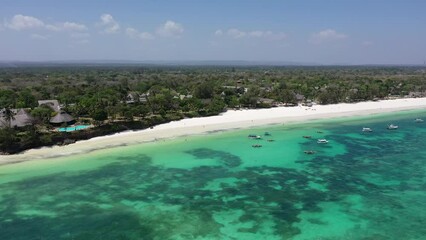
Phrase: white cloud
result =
(146, 36)
(66, 26)
(235, 33)
(133, 33)
(218, 32)
(52, 28)
(267, 35)
(39, 37)
(170, 29)
(256, 34)
(111, 26)
(72, 26)
(327, 36)
(275, 36)
(21, 22)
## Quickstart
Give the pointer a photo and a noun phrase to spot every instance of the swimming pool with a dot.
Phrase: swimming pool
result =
(73, 128)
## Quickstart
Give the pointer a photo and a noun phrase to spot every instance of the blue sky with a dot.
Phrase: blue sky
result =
(323, 32)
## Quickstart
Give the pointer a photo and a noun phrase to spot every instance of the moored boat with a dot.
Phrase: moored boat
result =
(307, 136)
(322, 141)
(366, 129)
(392, 127)
(309, 152)
(418, 120)
(256, 145)
(253, 136)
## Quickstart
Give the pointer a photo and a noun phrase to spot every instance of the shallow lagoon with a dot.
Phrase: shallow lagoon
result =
(358, 186)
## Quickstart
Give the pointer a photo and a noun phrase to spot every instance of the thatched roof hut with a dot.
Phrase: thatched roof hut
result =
(21, 118)
(53, 104)
(62, 117)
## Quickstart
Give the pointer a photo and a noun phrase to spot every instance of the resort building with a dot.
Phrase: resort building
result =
(267, 101)
(53, 104)
(19, 118)
(134, 97)
(299, 97)
(416, 94)
(61, 118)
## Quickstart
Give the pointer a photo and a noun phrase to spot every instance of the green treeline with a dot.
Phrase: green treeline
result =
(124, 97)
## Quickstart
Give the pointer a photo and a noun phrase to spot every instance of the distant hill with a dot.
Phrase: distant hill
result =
(123, 63)
(231, 63)
(7, 64)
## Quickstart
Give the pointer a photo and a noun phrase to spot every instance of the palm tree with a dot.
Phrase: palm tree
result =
(9, 115)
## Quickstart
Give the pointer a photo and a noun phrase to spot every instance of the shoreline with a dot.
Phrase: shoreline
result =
(230, 120)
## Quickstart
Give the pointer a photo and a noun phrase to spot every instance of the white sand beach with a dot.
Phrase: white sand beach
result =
(229, 120)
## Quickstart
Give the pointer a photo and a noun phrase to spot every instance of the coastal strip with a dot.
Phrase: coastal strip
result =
(232, 119)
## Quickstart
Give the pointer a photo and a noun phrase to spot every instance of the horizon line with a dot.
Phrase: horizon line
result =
(200, 62)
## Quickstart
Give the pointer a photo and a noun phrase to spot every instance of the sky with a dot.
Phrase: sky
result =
(302, 31)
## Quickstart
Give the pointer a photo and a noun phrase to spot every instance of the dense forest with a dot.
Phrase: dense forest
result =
(117, 98)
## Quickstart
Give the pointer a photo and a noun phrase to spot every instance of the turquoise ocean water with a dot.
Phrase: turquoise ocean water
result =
(217, 186)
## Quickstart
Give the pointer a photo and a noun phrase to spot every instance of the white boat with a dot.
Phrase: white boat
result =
(253, 136)
(367, 129)
(392, 127)
(322, 141)
(418, 120)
